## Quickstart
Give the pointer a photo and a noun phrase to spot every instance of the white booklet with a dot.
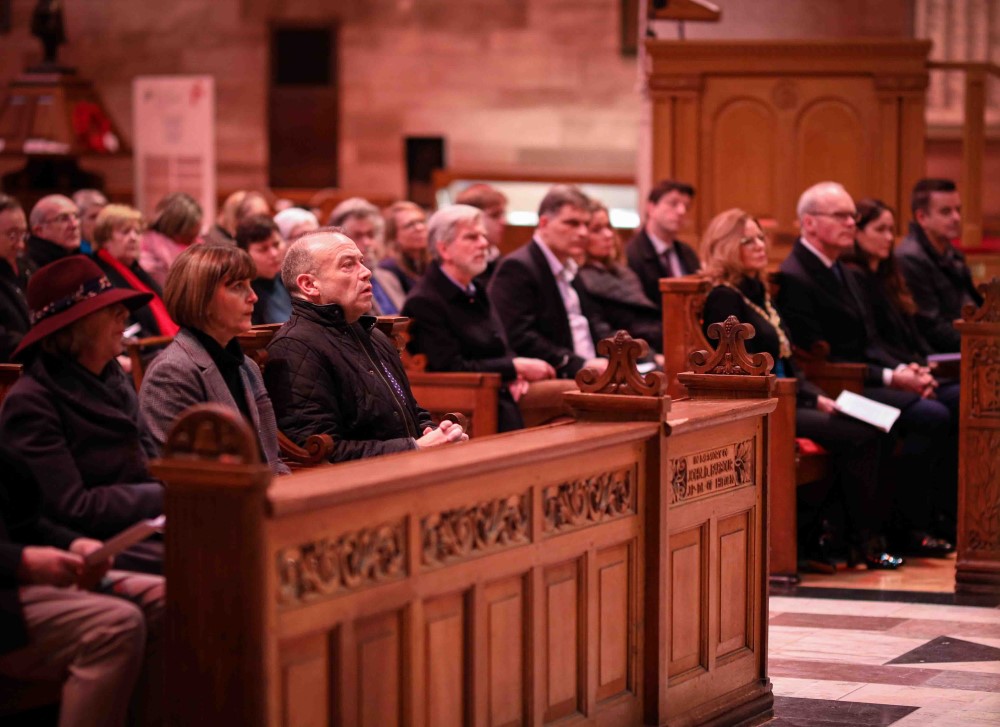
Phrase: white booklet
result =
(867, 410)
(126, 539)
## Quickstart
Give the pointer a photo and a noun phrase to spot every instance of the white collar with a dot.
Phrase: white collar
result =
(659, 245)
(822, 258)
(555, 266)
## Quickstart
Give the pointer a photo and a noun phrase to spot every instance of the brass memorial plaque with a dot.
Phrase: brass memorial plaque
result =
(712, 470)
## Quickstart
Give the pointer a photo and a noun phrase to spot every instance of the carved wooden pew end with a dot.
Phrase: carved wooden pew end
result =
(735, 373)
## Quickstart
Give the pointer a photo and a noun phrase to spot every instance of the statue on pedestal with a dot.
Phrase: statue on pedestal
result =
(47, 26)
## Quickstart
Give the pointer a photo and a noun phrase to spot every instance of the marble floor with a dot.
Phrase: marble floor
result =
(866, 648)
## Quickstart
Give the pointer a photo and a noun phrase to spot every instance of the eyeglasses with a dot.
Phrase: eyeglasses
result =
(63, 218)
(751, 239)
(841, 216)
(15, 235)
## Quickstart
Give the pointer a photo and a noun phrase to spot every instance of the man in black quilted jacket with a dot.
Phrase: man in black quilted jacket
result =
(330, 371)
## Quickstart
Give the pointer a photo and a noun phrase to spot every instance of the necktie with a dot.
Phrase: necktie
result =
(838, 272)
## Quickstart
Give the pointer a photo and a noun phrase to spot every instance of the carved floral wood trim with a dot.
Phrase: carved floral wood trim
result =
(329, 567)
(703, 473)
(982, 491)
(984, 360)
(989, 311)
(589, 501)
(731, 356)
(622, 375)
(465, 532)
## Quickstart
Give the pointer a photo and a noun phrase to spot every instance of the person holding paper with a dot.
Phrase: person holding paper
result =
(820, 301)
(73, 418)
(734, 252)
(64, 620)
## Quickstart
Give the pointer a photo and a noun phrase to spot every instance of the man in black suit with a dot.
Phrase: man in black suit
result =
(14, 271)
(655, 252)
(935, 271)
(543, 306)
(453, 323)
(819, 301)
(55, 229)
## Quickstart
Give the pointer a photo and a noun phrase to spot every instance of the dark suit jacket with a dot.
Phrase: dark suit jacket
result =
(650, 267)
(816, 307)
(14, 321)
(42, 251)
(527, 299)
(459, 332)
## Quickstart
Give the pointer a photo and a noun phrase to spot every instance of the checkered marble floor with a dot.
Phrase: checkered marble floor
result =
(839, 661)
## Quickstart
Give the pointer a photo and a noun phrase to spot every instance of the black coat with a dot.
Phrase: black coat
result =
(650, 267)
(328, 376)
(143, 316)
(897, 331)
(459, 332)
(42, 251)
(816, 307)
(21, 524)
(526, 298)
(619, 295)
(79, 437)
(14, 321)
(940, 284)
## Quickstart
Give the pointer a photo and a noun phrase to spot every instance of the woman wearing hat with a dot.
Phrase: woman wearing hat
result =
(73, 417)
(208, 293)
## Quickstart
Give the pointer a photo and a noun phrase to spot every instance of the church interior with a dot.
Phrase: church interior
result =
(596, 571)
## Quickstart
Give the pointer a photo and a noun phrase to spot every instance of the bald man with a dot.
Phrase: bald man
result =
(330, 371)
(55, 229)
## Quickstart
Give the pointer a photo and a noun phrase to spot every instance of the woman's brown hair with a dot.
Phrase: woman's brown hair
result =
(195, 275)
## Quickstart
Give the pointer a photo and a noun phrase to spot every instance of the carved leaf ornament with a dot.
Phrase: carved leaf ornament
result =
(466, 531)
(731, 356)
(583, 502)
(989, 311)
(983, 492)
(622, 374)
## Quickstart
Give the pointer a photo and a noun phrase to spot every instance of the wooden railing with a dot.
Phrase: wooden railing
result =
(610, 571)
(973, 144)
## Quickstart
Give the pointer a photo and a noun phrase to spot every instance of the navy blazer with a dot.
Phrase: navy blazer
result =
(527, 299)
(650, 266)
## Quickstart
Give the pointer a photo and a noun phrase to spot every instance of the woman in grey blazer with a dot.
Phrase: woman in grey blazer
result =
(208, 294)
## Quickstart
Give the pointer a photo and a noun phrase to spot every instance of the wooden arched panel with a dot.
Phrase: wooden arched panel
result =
(743, 153)
(831, 143)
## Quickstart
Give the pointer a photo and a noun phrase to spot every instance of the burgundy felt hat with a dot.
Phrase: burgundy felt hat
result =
(63, 292)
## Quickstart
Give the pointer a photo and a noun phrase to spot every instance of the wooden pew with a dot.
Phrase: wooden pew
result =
(609, 572)
(683, 303)
(9, 374)
(978, 562)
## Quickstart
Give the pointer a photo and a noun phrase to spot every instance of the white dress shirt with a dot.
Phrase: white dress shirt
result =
(670, 250)
(579, 326)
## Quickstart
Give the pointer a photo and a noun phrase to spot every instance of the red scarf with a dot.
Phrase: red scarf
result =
(163, 320)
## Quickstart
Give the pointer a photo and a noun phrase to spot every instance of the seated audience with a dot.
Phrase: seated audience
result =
(223, 232)
(493, 203)
(260, 237)
(208, 293)
(176, 225)
(116, 244)
(55, 230)
(361, 221)
(820, 301)
(614, 286)
(73, 419)
(14, 272)
(90, 202)
(294, 222)
(935, 271)
(96, 632)
(406, 242)
(735, 258)
(330, 371)
(544, 308)
(655, 252)
(453, 323)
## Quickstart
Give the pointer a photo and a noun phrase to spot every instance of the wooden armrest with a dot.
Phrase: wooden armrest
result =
(318, 449)
(458, 417)
(832, 377)
(135, 347)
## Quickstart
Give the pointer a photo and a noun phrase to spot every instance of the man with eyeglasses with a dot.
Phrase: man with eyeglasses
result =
(55, 229)
(819, 300)
(14, 272)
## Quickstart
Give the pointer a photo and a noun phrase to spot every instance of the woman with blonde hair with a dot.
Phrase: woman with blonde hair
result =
(734, 255)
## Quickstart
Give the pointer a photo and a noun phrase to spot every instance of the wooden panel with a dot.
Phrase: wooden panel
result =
(735, 562)
(445, 652)
(831, 143)
(562, 637)
(615, 621)
(378, 666)
(506, 629)
(688, 626)
(305, 682)
(744, 139)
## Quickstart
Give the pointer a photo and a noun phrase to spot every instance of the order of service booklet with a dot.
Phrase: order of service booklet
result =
(867, 410)
(126, 538)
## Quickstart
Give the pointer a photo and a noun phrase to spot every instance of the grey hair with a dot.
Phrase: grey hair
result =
(444, 225)
(43, 207)
(86, 198)
(353, 207)
(301, 257)
(810, 198)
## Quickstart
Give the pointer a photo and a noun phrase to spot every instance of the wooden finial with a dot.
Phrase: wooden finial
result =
(731, 357)
(622, 374)
(989, 311)
(213, 432)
